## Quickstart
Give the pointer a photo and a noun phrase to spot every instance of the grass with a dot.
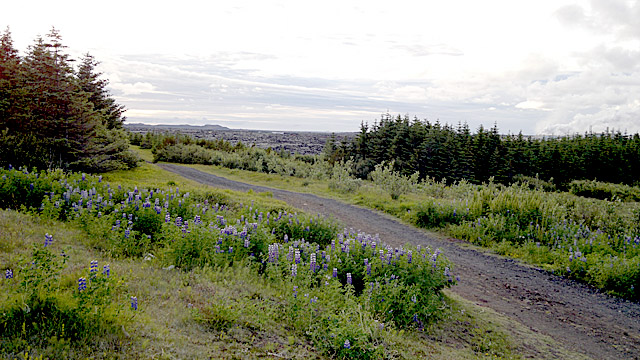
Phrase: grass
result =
(165, 325)
(228, 311)
(512, 221)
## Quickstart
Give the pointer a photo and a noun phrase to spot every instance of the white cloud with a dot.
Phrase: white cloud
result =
(133, 89)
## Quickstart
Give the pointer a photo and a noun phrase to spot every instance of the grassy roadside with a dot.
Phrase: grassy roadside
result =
(589, 240)
(166, 326)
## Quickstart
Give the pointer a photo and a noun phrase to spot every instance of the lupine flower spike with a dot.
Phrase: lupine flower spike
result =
(48, 239)
(82, 284)
(8, 274)
(134, 303)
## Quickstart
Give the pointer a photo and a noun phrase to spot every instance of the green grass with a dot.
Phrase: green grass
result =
(222, 311)
(512, 221)
(245, 327)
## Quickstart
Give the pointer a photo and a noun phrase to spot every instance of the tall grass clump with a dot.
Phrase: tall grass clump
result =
(45, 305)
(594, 241)
(392, 181)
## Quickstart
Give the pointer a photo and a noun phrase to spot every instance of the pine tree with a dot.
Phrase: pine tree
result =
(90, 82)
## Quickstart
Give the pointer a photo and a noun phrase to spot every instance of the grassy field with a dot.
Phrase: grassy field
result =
(590, 240)
(214, 308)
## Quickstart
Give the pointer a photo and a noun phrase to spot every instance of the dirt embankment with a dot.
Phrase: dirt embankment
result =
(579, 318)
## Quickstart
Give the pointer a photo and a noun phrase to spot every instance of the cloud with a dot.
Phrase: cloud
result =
(133, 89)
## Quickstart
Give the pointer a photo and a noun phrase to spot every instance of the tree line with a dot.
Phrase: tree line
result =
(55, 115)
(455, 153)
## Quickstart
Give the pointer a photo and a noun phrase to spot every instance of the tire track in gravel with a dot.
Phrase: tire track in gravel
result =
(576, 316)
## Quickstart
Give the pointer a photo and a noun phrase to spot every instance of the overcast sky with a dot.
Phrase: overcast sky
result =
(540, 67)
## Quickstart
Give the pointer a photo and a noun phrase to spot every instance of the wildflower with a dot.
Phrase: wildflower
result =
(9, 275)
(297, 256)
(312, 262)
(48, 239)
(106, 270)
(295, 291)
(94, 266)
(347, 344)
(230, 249)
(349, 281)
(127, 232)
(134, 303)
(294, 270)
(82, 284)
(335, 272)
(409, 256)
(413, 298)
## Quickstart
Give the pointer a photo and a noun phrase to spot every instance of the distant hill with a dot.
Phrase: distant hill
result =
(175, 127)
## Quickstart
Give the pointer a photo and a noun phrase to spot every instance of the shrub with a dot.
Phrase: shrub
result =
(604, 191)
(392, 181)
(341, 179)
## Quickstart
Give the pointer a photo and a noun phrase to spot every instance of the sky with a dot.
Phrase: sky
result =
(537, 67)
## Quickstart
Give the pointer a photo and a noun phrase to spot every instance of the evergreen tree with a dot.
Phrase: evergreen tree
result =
(53, 117)
(89, 81)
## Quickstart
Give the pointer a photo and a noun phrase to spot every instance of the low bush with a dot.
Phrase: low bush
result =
(604, 191)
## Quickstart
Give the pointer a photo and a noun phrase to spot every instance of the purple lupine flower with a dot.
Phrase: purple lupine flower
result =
(413, 298)
(335, 272)
(294, 270)
(82, 284)
(179, 221)
(106, 270)
(48, 239)
(409, 256)
(349, 280)
(94, 266)
(347, 344)
(84, 177)
(312, 262)
(8, 274)
(286, 238)
(369, 269)
(127, 232)
(134, 303)
(246, 242)
(297, 256)
(230, 249)
(295, 291)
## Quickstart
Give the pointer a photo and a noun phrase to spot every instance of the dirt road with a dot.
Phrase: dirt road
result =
(581, 319)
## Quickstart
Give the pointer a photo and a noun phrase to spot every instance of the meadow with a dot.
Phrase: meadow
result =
(589, 233)
(121, 266)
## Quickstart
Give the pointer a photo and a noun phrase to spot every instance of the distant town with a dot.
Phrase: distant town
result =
(301, 142)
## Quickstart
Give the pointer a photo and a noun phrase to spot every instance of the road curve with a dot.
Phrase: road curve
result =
(576, 316)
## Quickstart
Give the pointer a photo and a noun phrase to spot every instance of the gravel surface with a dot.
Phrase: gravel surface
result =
(576, 316)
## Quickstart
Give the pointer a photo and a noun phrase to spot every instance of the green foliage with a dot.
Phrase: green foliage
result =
(339, 315)
(46, 311)
(312, 229)
(52, 116)
(604, 191)
(443, 151)
(391, 181)
(341, 179)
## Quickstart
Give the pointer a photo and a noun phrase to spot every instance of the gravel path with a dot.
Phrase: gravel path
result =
(581, 319)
